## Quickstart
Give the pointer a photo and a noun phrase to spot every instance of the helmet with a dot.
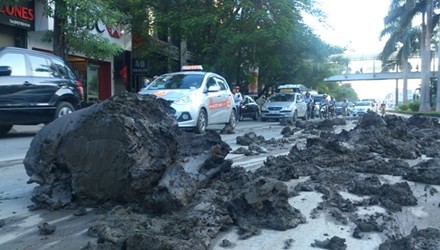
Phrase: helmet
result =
(307, 93)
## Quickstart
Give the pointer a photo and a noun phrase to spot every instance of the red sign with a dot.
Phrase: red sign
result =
(18, 11)
(18, 15)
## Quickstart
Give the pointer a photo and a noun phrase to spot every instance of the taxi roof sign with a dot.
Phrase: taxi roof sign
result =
(192, 67)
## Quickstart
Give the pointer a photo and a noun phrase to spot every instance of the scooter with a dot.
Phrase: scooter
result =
(323, 111)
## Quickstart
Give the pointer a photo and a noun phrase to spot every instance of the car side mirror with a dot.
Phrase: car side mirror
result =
(213, 88)
(5, 70)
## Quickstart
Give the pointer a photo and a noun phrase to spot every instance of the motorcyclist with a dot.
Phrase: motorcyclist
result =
(345, 107)
(332, 106)
(309, 102)
(323, 107)
(382, 108)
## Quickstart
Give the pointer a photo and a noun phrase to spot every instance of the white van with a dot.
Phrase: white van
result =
(295, 88)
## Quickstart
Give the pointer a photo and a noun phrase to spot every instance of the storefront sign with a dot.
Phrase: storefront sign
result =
(113, 31)
(18, 15)
(139, 67)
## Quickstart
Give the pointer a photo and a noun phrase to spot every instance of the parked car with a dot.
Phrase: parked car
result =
(198, 98)
(362, 108)
(249, 108)
(35, 87)
(284, 106)
(350, 109)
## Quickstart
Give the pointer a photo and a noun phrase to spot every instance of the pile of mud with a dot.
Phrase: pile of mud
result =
(168, 189)
(124, 150)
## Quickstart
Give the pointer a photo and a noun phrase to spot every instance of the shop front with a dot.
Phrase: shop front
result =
(101, 78)
(15, 21)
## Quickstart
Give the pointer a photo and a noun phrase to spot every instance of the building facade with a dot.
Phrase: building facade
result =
(25, 25)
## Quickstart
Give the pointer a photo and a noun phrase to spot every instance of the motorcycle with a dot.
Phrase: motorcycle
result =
(382, 110)
(310, 110)
(332, 111)
(344, 111)
(323, 111)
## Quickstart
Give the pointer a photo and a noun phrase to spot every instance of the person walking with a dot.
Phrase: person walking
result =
(238, 98)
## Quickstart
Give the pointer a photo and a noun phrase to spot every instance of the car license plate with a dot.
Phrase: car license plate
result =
(273, 112)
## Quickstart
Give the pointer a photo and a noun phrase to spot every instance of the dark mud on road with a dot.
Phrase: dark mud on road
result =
(163, 188)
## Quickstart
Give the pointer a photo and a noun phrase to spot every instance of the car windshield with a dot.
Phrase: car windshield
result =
(317, 98)
(363, 104)
(282, 98)
(177, 81)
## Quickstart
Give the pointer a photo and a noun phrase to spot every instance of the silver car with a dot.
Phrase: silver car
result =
(198, 98)
(284, 106)
(363, 107)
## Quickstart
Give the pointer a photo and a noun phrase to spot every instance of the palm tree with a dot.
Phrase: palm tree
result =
(402, 43)
(403, 12)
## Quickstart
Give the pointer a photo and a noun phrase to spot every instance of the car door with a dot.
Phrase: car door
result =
(16, 88)
(226, 100)
(301, 105)
(214, 97)
(46, 81)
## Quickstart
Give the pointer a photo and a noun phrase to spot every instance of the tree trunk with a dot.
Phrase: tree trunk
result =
(405, 65)
(425, 105)
(59, 39)
(437, 101)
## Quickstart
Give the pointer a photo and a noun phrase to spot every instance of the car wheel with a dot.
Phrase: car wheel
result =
(202, 122)
(256, 115)
(4, 129)
(63, 109)
(232, 120)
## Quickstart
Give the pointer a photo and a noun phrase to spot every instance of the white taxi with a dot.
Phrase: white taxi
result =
(199, 98)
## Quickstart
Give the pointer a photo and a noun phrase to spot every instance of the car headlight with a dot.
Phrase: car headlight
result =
(286, 109)
(183, 100)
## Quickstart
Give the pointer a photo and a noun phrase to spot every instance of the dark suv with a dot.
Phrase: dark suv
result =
(35, 87)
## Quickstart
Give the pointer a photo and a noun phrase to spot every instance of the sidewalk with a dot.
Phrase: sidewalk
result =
(26, 129)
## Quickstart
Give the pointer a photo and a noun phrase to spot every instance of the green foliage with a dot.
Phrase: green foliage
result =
(403, 107)
(72, 20)
(229, 37)
(411, 107)
(414, 106)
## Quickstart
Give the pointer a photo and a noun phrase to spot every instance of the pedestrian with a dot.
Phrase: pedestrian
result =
(238, 98)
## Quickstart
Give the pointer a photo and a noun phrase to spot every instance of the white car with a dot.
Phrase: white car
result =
(284, 106)
(362, 108)
(198, 98)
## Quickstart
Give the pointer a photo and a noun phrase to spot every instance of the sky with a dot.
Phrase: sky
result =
(356, 25)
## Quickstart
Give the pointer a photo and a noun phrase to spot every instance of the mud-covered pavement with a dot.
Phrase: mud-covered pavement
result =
(365, 184)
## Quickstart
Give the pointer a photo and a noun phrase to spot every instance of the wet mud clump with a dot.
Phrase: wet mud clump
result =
(355, 160)
(164, 188)
(126, 149)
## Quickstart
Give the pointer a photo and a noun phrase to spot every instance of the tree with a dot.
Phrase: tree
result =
(403, 41)
(71, 21)
(425, 9)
